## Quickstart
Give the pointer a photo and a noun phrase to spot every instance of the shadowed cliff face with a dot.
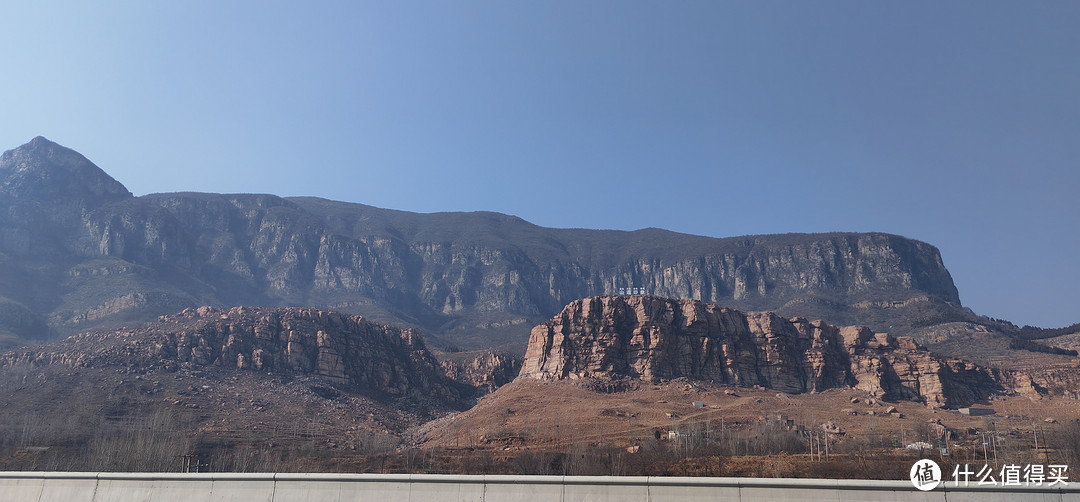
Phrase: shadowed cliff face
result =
(653, 338)
(79, 251)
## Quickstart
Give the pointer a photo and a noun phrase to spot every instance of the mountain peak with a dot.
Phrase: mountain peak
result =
(42, 168)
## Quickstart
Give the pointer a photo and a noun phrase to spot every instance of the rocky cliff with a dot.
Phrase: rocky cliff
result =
(649, 337)
(78, 250)
(484, 370)
(342, 350)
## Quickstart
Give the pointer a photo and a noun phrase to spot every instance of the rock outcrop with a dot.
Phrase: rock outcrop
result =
(343, 350)
(485, 370)
(649, 337)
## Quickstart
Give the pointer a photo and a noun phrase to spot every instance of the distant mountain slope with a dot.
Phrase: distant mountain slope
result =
(79, 251)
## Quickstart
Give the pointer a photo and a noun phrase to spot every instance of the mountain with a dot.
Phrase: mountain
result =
(42, 170)
(231, 386)
(78, 251)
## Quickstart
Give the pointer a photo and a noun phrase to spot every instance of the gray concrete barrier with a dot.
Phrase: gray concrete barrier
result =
(213, 487)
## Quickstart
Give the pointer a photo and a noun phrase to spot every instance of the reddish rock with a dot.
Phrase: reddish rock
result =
(656, 338)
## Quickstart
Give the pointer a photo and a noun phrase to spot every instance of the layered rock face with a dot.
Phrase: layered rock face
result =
(340, 349)
(659, 338)
(78, 250)
(486, 370)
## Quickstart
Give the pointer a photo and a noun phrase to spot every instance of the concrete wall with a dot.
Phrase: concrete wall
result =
(139, 487)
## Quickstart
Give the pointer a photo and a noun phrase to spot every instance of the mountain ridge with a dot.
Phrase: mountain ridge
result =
(477, 279)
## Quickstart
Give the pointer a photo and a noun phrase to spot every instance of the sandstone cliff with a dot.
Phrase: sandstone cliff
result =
(78, 251)
(649, 337)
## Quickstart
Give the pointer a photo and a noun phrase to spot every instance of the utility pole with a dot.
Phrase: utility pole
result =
(995, 442)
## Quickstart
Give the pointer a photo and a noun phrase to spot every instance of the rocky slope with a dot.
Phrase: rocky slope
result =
(647, 337)
(77, 250)
(242, 389)
(340, 350)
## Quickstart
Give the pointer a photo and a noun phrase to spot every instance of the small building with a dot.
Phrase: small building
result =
(699, 404)
(976, 412)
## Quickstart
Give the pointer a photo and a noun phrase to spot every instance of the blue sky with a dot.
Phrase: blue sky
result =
(956, 123)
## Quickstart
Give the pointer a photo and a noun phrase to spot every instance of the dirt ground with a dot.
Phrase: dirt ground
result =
(533, 414)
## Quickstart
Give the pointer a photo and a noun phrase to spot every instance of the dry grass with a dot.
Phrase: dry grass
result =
(119, 419)
(768, 430)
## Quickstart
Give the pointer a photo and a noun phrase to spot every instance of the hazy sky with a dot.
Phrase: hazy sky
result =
(955, 123)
